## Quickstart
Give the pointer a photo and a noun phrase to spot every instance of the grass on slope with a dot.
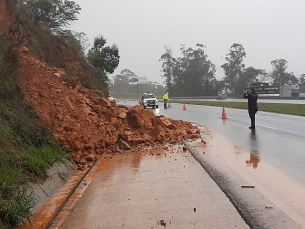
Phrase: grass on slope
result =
(25, 156)
(281, 108)
(27, 150)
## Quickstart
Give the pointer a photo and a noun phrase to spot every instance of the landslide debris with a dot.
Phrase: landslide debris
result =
(87, 124)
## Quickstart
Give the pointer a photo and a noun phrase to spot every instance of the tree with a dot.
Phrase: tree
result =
(103, 57)
(128, 73)
(189, 75)
(217, 86)
(209, 78)
(76, 41)
(292, 79)
(302, 79)
(121, 83)
(264, 77)
(197, 71)
(56, 14)
(168, 67)
(234, 67)
(247, 78)
(279, 74)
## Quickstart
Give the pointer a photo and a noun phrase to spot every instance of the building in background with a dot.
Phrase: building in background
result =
(283, 91)
(122, 84)
(295, 91)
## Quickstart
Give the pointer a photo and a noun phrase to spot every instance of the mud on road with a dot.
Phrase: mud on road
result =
(202, 187)
(151, 189)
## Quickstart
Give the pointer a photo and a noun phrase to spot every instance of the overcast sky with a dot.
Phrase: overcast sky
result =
(267, 29)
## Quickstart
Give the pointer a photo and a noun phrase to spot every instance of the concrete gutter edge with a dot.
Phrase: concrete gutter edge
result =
(250, 203)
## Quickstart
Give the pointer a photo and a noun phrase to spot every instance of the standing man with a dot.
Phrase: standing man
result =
(165, 99)
(252, 105)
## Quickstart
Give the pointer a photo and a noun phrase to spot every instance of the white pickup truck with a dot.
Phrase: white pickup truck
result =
(149, 100)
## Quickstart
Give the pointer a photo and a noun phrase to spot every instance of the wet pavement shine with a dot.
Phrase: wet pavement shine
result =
(209, 184)
(215, 184)
(263, 195)
(152, 189)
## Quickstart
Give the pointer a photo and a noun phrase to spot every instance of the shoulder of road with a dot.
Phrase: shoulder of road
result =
(171, 186)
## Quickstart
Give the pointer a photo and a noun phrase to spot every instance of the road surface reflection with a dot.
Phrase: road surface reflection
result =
(254, 150)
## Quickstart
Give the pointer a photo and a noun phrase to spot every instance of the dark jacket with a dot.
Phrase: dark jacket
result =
(252, 99)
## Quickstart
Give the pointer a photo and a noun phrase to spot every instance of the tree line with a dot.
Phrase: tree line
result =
(56, 15)
(120, 84)
(193, 74)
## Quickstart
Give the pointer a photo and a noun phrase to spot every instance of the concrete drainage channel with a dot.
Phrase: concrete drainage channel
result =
(253, 206)
(62, 205)
(52, 197)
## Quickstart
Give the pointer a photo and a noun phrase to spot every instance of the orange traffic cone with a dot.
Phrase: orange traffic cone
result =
(184, 107)
(169, 105)
(224, 115)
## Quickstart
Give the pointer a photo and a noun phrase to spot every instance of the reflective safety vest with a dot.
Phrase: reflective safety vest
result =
(165, 96)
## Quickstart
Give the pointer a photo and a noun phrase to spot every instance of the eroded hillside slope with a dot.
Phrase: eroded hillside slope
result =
(87, 124)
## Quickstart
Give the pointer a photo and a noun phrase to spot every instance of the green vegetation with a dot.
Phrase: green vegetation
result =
(280, 75)
(293, 109)
(104, 59)
(237, 76)
(25, 155)
(42, 28)
(120, 84)
(55, 14)
(193, 74)
(27, 150)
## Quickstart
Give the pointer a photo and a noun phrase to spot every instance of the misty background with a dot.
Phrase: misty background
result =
(267, 30)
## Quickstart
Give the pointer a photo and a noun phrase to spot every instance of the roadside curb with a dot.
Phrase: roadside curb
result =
(252, 205)
(63, 211)
(44, 216)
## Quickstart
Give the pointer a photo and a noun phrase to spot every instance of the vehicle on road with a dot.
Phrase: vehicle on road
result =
(149, 100)
(110, 98)
(222, 96)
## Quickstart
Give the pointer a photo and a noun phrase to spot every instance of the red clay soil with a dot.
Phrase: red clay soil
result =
(87, 124)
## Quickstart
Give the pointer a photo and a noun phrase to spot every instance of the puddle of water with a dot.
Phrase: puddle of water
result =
(286, 193)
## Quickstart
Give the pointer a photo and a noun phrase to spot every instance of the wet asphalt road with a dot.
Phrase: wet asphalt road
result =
(264, 100)
(156, 189)
(133, 192)
(278, 139)
(275, 151)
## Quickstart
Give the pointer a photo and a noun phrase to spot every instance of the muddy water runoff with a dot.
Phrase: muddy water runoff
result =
(153, 189)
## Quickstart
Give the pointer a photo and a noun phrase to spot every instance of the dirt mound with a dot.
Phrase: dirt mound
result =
(88, 124)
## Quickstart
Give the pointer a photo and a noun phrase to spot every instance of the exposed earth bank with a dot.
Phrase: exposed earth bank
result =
(87, 124)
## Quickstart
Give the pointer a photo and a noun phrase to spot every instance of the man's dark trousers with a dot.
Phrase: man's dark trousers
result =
(252, 111)
(165, 103)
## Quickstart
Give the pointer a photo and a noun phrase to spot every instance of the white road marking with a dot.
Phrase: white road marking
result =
(268, 127)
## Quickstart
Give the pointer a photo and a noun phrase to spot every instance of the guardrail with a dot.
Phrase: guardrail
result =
(195, 97)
